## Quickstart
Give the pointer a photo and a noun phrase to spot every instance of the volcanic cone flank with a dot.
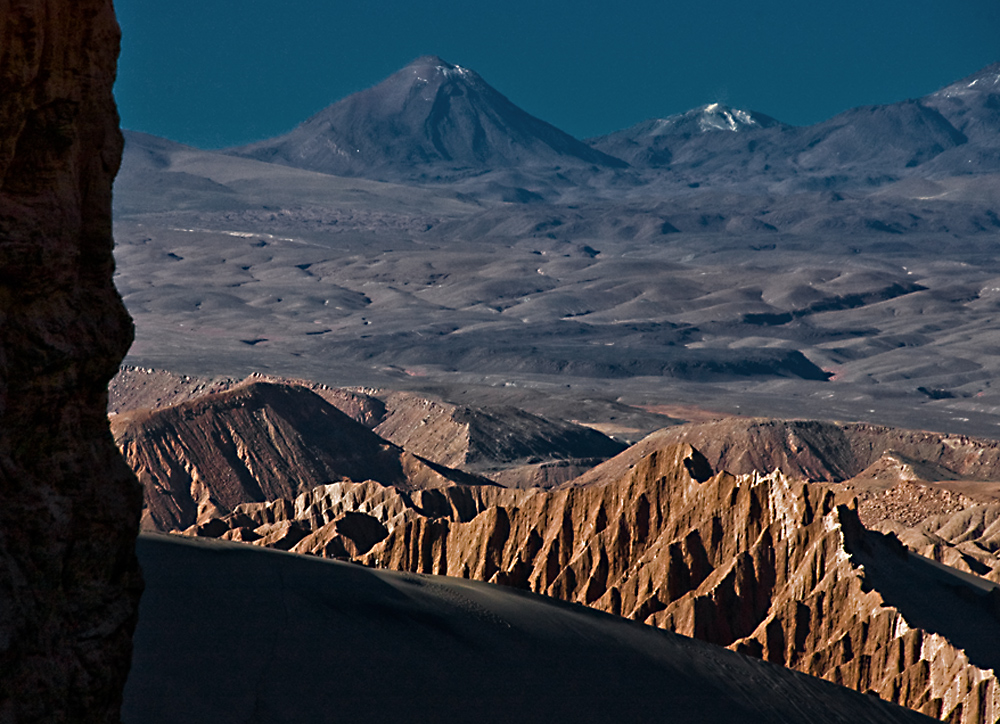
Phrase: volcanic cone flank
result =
(430, 117)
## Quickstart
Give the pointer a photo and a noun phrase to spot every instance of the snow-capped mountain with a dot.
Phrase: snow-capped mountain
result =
(658, 141)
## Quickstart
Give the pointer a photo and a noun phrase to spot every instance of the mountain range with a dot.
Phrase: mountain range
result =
(434, 121)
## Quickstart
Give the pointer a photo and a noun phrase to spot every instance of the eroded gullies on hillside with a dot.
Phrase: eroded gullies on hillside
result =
(764, 563)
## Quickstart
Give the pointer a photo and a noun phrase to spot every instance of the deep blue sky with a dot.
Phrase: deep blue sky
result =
(213, 73)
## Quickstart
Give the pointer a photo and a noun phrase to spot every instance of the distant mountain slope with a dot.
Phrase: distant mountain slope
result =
(251, 635)
(690, 137)
(954, 131)
(972, 105)
(718, 146)
(472, 439)
(429, 119)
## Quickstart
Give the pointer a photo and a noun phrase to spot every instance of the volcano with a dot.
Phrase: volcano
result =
(431, 119)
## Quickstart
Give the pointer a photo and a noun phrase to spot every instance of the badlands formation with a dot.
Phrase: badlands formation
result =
(253, 635)
(777, 565)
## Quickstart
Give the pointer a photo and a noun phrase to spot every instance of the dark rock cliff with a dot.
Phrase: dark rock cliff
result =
(69, 507)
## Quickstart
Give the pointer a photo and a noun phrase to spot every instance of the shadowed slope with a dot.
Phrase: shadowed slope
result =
(251, 635)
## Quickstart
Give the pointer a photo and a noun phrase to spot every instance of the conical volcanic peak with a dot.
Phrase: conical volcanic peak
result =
(430, 119)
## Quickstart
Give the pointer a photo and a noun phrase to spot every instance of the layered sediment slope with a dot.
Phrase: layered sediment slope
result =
(763, 565)
(287, 639)
(256, 443)
(69, 579)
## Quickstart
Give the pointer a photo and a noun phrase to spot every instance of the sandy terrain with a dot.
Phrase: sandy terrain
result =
(228, 633)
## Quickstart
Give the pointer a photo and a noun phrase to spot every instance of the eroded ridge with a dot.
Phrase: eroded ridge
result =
(759, 564)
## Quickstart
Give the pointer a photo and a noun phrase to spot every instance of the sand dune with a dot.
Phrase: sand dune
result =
(233, 634)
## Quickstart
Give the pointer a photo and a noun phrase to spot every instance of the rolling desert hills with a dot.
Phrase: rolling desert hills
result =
(837, 271)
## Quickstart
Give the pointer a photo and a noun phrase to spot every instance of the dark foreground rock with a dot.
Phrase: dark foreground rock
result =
(69, 579)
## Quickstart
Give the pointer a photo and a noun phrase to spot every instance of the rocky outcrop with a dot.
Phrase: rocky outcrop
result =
(69, 580)
(345, 519)
(761, 564)
(255, 443)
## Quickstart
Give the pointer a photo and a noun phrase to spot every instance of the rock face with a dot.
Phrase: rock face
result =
(762, 565)
(69, 579)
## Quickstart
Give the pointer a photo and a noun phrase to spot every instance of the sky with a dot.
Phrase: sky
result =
(217, 73)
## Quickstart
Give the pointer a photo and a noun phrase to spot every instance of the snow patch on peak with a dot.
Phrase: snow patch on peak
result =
(985, 81)
(453, 70)
(715, 117)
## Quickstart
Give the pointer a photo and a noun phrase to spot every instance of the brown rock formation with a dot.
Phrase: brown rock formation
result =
(510, 446)
(763, 565)
(69, 580)
(485, 440)
(255, 443)
(345, 519)
(248, 635)
(821, 451)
